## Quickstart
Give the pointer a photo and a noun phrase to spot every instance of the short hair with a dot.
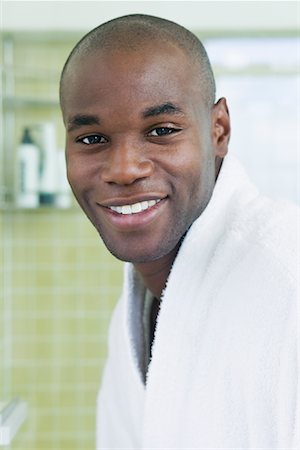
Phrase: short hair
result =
(130, 31)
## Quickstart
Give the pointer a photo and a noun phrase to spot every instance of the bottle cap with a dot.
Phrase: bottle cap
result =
(26, 139)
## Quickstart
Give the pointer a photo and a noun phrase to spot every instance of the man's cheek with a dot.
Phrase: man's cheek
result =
(75, 173)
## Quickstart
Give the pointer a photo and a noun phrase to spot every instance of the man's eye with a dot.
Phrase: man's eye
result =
(93, 139)
(162, 131)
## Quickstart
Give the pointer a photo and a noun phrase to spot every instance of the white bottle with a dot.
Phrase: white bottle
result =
(49, 175)
(27, 177)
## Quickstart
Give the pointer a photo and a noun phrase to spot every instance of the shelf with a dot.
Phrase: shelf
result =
(12, 416)
(12, 207)
(31, 74)
(40, 209)
(28, 102)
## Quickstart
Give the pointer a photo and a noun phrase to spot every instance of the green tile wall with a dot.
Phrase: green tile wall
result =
(60, 285)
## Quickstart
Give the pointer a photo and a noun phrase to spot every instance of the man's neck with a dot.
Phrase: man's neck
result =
(154, 274)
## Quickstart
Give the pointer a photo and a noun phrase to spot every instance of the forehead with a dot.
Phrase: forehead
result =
(151, 74)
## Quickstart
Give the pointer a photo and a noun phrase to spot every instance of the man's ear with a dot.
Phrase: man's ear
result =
(220, 128)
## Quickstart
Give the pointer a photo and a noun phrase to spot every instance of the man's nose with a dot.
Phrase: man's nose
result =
(126, 163)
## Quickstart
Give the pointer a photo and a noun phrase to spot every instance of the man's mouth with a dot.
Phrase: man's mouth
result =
(134, 208)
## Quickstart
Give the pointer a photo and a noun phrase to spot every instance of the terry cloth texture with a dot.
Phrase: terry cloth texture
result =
(223, 372)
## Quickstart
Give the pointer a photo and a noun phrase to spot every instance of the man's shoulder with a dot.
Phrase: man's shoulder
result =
(249, 228)
(271, 228)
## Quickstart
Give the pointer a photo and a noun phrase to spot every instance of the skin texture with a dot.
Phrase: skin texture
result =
(126, 143)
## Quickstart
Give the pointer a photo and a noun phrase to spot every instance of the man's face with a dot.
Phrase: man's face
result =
(140, 152)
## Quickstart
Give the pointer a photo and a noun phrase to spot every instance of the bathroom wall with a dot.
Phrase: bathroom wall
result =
(58, 282)
(60, 285)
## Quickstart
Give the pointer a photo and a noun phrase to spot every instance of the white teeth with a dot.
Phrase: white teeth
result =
(135, 208)
(126, 209)
(144, 205)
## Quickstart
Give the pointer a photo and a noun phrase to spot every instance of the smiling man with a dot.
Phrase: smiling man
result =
(202, 349)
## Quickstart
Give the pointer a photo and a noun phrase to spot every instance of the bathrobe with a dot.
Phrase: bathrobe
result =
(223, 371)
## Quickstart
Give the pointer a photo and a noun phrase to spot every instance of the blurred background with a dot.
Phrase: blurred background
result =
(58, 282)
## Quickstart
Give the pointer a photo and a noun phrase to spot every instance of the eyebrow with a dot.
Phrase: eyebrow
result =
(164, 108)
(81, 120)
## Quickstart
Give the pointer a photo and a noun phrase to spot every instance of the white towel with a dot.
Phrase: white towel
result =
(224, 370)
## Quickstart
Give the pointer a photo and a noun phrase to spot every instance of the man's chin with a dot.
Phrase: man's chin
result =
(139, 253)
(135, 257)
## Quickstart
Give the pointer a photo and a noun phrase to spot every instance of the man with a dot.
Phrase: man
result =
(202, 347)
